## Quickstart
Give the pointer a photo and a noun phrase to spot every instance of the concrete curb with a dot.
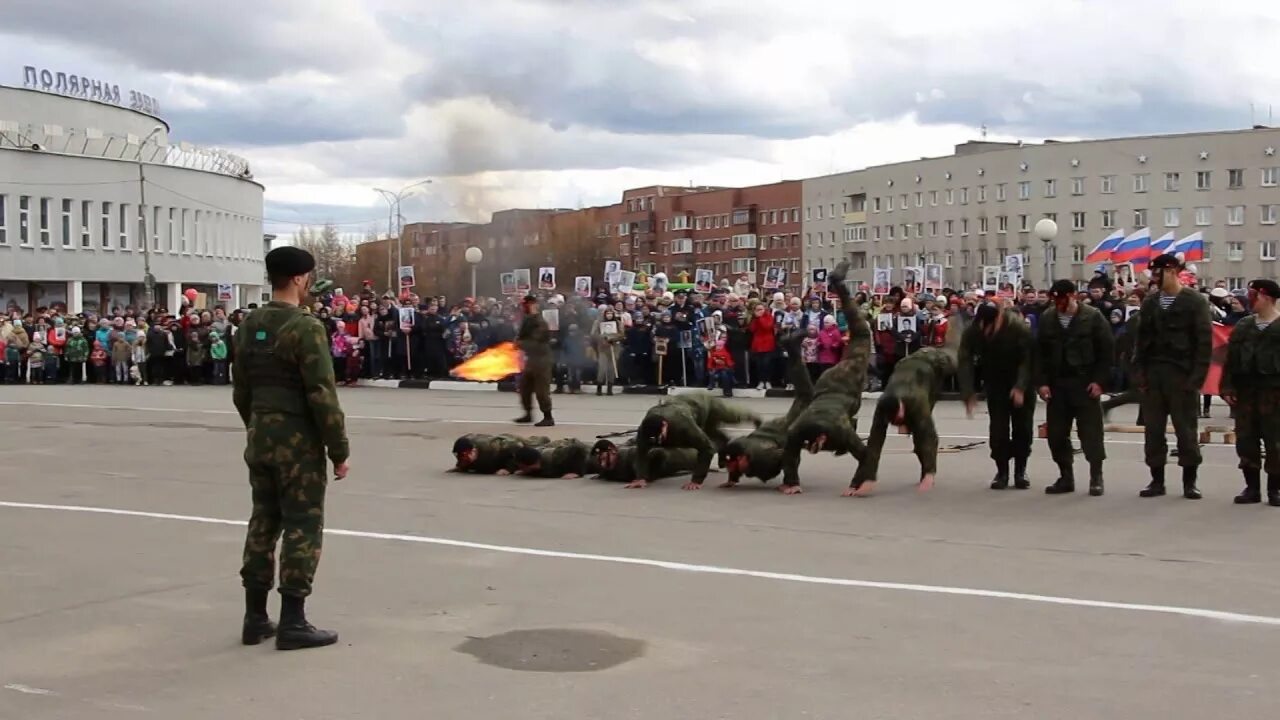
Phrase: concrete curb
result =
(510, 386)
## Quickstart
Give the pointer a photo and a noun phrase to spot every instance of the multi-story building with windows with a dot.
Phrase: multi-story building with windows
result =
(91, 193)
(971, 209)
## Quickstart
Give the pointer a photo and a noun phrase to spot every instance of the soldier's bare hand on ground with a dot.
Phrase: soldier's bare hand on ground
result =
(1095, 391)
(340, 471)
(790, 490)
(729, 484)
(691, 486)
(970, 404)
(571, 476)
(638, 484)
(503, 472)
(1044, 392)
(1017, 396)
(865, 489)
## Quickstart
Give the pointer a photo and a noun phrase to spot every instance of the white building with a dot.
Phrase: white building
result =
(74, 174)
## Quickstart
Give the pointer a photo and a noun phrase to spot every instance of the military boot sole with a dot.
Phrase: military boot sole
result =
(1059, 489)
(255, 632)
(304, 640)
(545, 422)
(1248, 498)
(1149, 492)
(1095, 491)
(1192, 493)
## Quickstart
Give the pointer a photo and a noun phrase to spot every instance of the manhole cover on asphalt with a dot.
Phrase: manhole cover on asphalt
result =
(553, 650)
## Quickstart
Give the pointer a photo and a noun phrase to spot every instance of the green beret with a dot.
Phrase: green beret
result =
(289, 261)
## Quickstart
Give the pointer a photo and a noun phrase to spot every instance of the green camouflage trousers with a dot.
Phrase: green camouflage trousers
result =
(288, 475)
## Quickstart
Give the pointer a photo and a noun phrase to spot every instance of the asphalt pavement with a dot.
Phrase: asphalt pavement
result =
(121, 525)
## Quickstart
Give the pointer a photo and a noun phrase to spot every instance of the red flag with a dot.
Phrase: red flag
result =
(1221, 334)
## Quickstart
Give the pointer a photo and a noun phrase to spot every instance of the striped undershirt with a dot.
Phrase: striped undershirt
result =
(1166, 301)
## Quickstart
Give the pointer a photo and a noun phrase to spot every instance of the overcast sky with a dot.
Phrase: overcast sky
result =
(565, 103)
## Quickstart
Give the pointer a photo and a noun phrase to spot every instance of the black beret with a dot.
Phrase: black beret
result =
(1270, 288)
(603, 446)
(1160, 262)
(463, 444)
(1062, 287)
(289, 261)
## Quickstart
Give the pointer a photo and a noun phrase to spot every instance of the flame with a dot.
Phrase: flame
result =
(496, 363)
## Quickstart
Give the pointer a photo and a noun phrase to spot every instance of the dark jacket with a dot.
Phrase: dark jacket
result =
(1084, 350)
(1181, 336)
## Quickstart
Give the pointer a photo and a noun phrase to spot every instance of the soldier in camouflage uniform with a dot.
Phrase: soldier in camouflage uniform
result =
(829, 421)
(1251, 386)
(284, 391)
(534, 340)
(907, 401)
(692, 421)
(1001, 343)
(560, 459)
(491, 454)
(1171, 361)
(618, 464)
(1074, 359)
(759, 454)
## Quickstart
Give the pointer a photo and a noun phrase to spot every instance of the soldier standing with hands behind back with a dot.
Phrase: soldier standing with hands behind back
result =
(1251, 386)
(1171, 360)
(285, 394)
(1076, 350)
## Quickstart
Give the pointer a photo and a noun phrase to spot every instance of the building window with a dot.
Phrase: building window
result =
(744, 265)
(1000, 192)
(1050, 188)
(875, 204)
(1235, 179)
(1235, 214)
(182, 230)
(1077, 186)
(877, 233)
(24, 220)
(1024, 223)
(982, 256)
(982, 225)
(1140, 218)
(1077, 220)
(45, 240)
(1172, 182)
(155, 231)
(1024, 190)
(1051, 216)
(1235, 252)
(1108, 184)
(106, 226)
(964, 258)
(740, 217)
(920, 230)
(1204, 216)
(933, 198)
(86, 210)
(933, 228)
(920, 199)
(903, 198)
(66, 223)
(1002, 223)
(982, 195)
(1172, 217)
(124, 226)
(1204, 179)
(4, 225)
(964, 227)
(1234, 283)
(951, 197)
(1270, 176)
(1077, 254)
(817, 212)
(173, 237)
(947, 258)
(964, 196)
(1267, 250)
(889, 230)
(1268, 215)
(1108, 219)
(1140, 182)
(951, 224)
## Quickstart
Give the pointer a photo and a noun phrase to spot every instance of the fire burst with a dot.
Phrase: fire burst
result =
(496, 363)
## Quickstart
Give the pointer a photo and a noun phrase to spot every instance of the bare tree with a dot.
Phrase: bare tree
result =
(334, 253)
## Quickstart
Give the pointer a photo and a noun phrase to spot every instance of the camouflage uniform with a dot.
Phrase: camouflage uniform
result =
(562, 457)
(534, 340)
(663, 462)
(1068, 361)
(497, 452)
(1005, 361)
(916, 381)
(284, 391)
(1252, 374)
(1171, 360)
(763, 447)
(837, 396)
(693, 421)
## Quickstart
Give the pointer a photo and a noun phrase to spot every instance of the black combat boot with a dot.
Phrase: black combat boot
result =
(1189, 489)
(1252, 494)
(1066, 483)
(1273, 490)
(600, 390)
(525, 419)
(1095, 480)
(295, 632)
(609, 389)
(546, 421)
(1156, 487)
(1001, 481)
(257, 623)
(1020, 479)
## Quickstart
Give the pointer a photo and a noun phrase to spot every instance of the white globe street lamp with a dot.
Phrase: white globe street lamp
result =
(474, 255)
(1046, 230)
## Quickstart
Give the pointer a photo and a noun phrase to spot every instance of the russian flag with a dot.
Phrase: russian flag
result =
(1162, 245)
(1135, 248)
(1191, 247)
(1104, 249)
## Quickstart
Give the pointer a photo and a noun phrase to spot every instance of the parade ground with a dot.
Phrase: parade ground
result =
(121, 526)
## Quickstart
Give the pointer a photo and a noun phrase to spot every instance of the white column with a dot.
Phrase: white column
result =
(173, 297)
(75, 297)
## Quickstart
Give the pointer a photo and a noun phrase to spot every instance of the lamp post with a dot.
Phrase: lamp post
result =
(148, 280)
(393, 212)
(474, 255)
(1047, 230)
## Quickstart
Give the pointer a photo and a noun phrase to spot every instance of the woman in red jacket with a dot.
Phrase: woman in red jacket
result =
(764, 345)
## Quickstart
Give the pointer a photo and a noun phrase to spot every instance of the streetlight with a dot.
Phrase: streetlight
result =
(474, 255)
(148, 280)
(1047, 230)
(393, 211)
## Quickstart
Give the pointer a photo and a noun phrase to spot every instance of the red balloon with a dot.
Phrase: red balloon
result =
(191, 293)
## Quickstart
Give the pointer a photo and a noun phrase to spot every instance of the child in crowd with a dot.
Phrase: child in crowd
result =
(76, 354)
(98, 359)
(121, 354)
(809, 352)
(195, 358)
(355, 359)
(139, 372)
(338, 349)
(720, 367)
(35, 360)
(218, 351)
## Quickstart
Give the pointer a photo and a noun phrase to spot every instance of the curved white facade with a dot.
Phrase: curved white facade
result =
(70, 192)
